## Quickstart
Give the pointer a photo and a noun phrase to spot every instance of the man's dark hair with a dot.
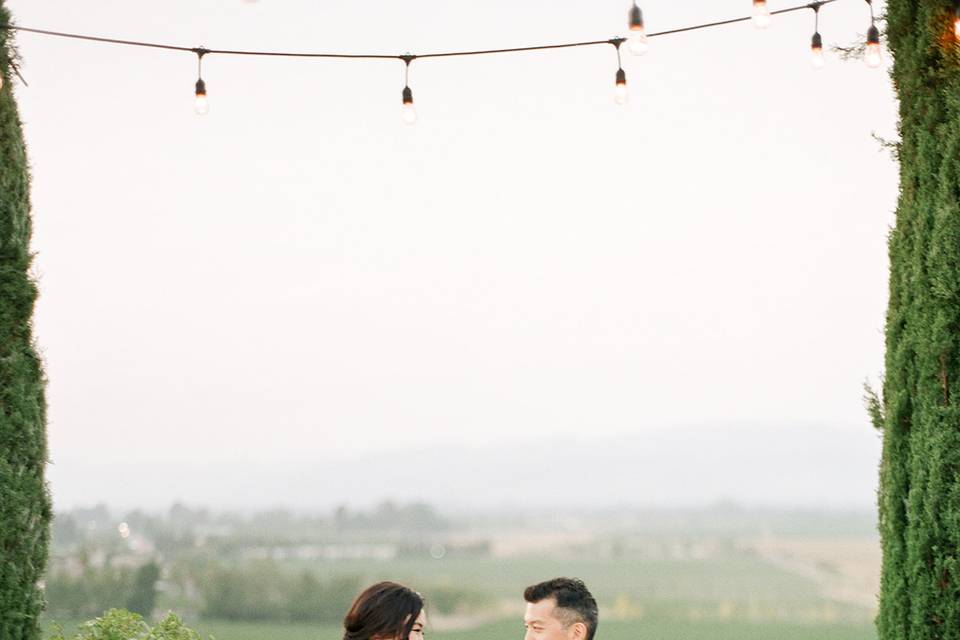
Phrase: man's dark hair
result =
(573, 600)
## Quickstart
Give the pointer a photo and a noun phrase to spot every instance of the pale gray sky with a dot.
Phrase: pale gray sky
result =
(299, 276)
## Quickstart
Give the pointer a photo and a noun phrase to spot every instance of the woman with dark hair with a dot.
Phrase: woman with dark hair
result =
(385, 611)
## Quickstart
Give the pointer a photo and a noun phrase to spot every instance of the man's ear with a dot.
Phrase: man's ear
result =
(578, 631)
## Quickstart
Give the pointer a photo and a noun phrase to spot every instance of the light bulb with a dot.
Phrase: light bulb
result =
(956, 25)
(761, 14)
(620, 95)
(200, 105)
(816, 59)
(409, 113)
(816, 50)
(637, 42)
(872, 55)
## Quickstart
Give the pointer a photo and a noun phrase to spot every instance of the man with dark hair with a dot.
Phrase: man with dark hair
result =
(560, 609)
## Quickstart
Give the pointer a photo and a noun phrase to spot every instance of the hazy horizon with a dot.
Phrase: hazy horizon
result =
(801, 467)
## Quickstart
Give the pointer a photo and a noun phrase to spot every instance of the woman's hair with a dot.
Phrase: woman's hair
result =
(385, 611)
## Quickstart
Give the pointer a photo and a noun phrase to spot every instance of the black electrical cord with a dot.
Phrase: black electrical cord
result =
(201, 51)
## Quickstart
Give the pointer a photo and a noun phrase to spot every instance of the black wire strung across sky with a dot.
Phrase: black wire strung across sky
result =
(636, 43)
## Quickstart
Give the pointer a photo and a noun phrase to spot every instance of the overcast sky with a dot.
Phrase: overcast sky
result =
(298, 275)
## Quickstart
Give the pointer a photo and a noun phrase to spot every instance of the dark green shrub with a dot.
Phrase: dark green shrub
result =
(25, 512)
(919, 496)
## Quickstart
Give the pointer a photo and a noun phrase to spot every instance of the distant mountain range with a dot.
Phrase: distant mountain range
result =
(783, 467)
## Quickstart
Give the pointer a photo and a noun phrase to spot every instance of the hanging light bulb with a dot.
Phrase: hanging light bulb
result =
(620, 95)
(872, 55)
(761, 14)
(200, 105)
(637, 42)
(956, 23)
(409, 111)
(816, 51)
(816, 42)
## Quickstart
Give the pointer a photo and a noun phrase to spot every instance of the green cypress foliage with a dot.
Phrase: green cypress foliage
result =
(919, 498)
(24, 501)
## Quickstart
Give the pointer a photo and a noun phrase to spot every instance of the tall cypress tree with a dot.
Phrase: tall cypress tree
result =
(24, 501)
(919, 498)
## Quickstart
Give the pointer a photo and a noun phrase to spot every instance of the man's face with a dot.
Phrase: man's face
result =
(542, 624)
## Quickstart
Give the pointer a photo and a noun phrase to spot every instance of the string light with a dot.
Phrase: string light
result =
(620, 94)
(637, 42)
(761, 14)
(816, 49)
(200, 104)
(816, 43)
(409, 113)
(872, 54)
(956, 22)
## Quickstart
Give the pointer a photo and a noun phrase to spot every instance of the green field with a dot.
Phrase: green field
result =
(736, 596)
(713, 579)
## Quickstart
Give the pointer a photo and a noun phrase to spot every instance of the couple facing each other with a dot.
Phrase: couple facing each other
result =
(558, 609)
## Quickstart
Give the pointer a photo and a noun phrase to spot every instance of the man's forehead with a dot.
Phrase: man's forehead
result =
(540, 610)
